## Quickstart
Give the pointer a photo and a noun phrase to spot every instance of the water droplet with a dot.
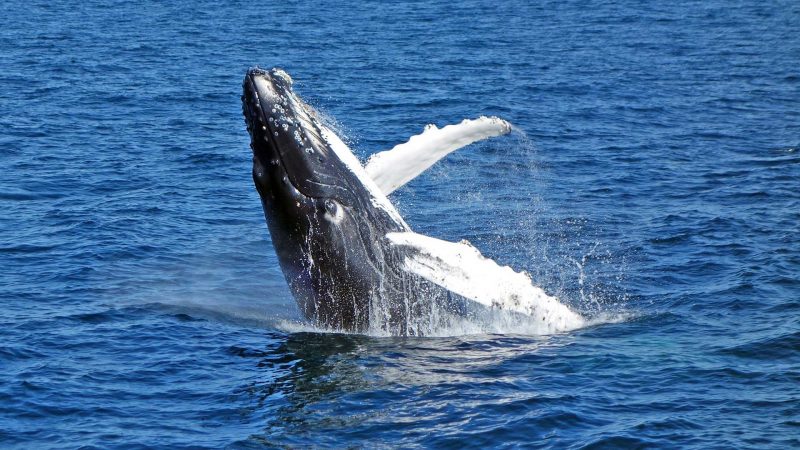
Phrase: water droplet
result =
(309, 150)
(276, 133)
(285, 127)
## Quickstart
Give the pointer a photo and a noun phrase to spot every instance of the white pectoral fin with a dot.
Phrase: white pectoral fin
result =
(393, 168)
(460, 268)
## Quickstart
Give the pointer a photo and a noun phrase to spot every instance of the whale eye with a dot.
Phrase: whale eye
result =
(333, 212)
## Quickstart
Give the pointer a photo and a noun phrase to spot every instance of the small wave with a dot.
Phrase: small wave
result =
(674, 239)
(27, 195)
(619, 442)
(611, 318)
(208, 158)
(784, 346)
(17, 353)
(96, 317)
(27, 248)
(229, 312)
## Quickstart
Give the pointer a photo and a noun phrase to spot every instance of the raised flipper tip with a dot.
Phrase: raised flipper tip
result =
(504, 124)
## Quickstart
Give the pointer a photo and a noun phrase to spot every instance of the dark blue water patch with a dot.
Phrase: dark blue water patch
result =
(27, 195)
(780, 347)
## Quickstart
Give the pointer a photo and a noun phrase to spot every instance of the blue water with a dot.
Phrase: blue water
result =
(653, 184)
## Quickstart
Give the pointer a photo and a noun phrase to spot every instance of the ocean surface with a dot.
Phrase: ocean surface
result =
(652, 183)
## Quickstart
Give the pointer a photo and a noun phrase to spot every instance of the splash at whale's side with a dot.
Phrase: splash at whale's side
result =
(350, 260)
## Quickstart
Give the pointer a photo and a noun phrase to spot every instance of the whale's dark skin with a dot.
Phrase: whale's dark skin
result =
(328, 234)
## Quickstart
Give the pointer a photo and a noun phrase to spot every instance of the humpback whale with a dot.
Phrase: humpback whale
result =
(350, 260)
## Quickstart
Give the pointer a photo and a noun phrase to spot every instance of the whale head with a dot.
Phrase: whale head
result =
(287, 140)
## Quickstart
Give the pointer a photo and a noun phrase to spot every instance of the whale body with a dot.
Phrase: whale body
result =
(350, 260)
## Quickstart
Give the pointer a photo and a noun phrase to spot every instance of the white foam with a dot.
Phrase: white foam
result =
(461, 268)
